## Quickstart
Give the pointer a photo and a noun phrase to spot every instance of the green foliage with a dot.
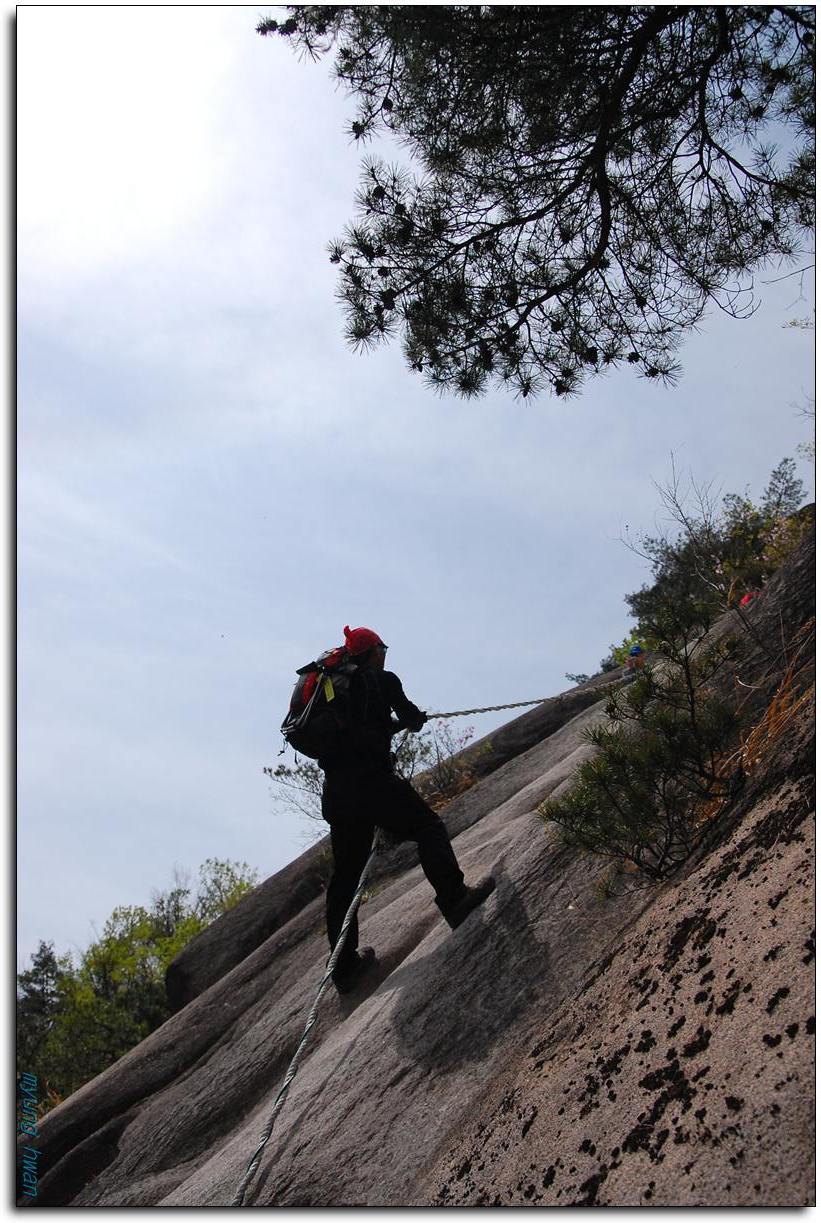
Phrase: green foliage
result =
(658, 761)
(74, 1021)
(221, 885)
(592, 177)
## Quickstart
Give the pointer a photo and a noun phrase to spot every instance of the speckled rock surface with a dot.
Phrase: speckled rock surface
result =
(650, 1049)
(681, 1074)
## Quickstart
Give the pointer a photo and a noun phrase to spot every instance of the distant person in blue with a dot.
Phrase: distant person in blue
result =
(635, 662)
(362, 792)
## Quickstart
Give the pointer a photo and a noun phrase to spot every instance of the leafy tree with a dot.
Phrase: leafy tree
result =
(221, 885)
(592, 177)
(74, 1021)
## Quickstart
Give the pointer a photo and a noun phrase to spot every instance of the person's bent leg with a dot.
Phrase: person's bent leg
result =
(400, 809)
(438, 860)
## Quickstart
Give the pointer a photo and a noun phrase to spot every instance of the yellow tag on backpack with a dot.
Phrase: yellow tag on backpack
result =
(328, 688)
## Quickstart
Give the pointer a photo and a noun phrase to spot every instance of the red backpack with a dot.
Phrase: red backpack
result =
(318, 709)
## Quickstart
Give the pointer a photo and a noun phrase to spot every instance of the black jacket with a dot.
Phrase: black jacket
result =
(364, 741)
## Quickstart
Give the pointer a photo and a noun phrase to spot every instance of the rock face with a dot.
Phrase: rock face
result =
(653, 1048)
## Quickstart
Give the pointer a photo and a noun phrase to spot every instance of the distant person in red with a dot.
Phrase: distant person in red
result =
(362, 792)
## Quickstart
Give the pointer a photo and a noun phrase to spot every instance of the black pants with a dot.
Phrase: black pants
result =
(354, 804)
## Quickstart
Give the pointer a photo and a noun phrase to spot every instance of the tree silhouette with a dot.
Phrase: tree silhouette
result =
(592, 178)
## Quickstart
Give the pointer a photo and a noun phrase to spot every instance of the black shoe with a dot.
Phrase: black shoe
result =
(347, 978)
(455, 914)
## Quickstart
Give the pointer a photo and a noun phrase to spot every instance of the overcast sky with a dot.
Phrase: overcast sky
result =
(210, 485)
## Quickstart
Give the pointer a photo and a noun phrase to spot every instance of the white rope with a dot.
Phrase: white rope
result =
(290, 1074)
(461, 713)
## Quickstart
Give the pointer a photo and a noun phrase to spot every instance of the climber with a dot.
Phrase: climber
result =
(634, 663)
(361, 791)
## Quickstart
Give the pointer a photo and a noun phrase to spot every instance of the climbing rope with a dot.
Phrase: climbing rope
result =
(461, 713)
(290, 1074)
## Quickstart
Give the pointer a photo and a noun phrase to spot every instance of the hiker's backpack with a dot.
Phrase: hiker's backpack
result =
(317, 714)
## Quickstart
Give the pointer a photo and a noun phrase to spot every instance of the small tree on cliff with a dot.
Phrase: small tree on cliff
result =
(659, 759)
(593, 177)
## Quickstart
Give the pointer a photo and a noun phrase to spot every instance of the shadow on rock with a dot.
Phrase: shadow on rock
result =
(455, 1003)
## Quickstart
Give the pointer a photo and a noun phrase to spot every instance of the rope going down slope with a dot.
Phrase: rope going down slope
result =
(290, 1074)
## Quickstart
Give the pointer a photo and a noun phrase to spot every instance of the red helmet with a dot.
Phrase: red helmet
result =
(360, 640)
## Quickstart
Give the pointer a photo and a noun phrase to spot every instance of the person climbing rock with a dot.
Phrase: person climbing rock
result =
(635, 662)
(361, 792)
